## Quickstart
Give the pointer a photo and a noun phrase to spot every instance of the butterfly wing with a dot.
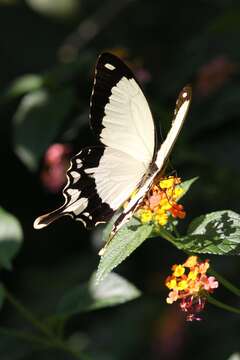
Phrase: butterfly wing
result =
(181, 109)
(100, 179)
(119, 113)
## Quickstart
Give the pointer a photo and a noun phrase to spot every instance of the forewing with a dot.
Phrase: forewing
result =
(180, 112)
(182, 105)
(100, 179)
(119, 112)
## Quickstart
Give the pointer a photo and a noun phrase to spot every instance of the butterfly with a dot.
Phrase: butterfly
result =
(129, 156)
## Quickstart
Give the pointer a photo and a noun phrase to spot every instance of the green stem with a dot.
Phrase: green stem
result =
(226, 283)
(23, 335)
(40, 341)
(221, 305)
(167, 236)
(175, 231)
(27, 314)
(51, 339)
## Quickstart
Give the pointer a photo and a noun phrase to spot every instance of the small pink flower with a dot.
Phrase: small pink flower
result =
(55, 165)
(55, 154)
(214, 74)
(143, 75)
(210, 283)
(172, 296)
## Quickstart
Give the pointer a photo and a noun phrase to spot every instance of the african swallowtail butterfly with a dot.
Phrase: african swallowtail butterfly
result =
(129, 157)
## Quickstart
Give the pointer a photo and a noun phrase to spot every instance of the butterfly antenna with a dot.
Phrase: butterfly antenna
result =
(172, 168)
(160, 130)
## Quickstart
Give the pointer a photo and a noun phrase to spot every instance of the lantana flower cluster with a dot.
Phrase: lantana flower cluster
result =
(190, 284)
(161, 202)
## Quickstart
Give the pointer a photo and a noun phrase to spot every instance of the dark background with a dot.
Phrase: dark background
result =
(170, 44)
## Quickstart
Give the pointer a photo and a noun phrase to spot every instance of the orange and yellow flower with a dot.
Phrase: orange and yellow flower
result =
(161, 202)
(190, 284)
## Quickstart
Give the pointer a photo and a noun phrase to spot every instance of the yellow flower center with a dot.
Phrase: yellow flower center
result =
(171, 284)
(145, 216)
(166, 183)
(182, 285)
(191, 261)
(179, 270)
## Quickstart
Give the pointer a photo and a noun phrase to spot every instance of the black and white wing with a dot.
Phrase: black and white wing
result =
(100, 179)
(119, 112)
(180, 112)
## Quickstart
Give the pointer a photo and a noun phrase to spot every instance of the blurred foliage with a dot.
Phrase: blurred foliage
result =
(11, 237)
(60, 9)
(39, 116)
(114, 290)
(48, 51)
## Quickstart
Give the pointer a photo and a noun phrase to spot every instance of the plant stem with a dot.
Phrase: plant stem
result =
(167, 236)
(27, 314)
(51, 341)
(221, 305)
(227, 284)
(23, 335)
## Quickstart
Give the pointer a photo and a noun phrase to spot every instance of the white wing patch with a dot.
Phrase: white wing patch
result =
(116, 177)
(75, 175)
(77, 207)
(128, 123)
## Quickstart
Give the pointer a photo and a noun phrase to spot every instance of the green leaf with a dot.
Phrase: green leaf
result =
(37, 121)
(13, 347)
(11, 237)
(215, 233)
(234, 356)
(185, 186)
(23, 85)
(60, 9)
(2, 295)
(128, 238)
(112, 291)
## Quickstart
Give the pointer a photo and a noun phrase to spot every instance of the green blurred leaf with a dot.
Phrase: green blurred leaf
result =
(56, 8)
(2, 295)
(215, 233)
(78, 342)
(112, 291)
(12, 347)
(8, 2)
(229, 21)
(185, 186)
(37, 121)
(234, 356)
(23, 85)
(11, 237)
(122, 245)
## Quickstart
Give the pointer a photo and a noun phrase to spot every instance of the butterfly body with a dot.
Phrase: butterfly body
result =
(129, 158)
